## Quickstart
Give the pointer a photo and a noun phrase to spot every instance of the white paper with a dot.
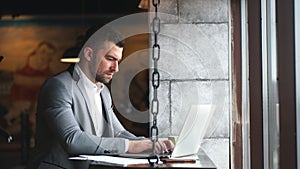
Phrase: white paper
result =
(124, 161)
(191, 157)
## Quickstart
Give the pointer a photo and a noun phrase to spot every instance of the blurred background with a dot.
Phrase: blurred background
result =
(35, 35)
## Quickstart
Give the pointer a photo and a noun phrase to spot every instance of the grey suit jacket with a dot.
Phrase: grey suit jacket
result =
(64, 127)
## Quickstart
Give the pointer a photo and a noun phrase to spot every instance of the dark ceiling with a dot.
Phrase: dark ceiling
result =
(76, 7)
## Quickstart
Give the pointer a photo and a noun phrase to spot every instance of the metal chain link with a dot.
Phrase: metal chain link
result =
(155, 81)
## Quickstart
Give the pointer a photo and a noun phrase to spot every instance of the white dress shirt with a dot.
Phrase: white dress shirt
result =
(94, 102)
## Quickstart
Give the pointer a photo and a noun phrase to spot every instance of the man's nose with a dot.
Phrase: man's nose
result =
(115, 66)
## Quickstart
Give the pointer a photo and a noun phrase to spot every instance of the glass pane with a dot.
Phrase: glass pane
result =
(297, 59)
(270, 93)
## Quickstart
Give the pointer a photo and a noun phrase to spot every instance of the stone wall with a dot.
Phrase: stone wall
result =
(194, 69)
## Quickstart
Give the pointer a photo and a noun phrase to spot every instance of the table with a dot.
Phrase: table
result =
(204, 162)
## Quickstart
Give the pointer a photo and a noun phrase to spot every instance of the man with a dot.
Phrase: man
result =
(74, 113)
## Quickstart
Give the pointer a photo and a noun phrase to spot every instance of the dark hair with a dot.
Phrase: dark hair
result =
(98, 34)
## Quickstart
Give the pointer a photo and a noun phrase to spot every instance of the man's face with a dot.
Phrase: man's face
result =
(108, 62)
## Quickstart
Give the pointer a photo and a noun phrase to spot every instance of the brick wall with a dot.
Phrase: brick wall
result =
(194, 69)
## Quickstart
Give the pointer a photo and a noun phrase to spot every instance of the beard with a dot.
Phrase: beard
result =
(102, 79)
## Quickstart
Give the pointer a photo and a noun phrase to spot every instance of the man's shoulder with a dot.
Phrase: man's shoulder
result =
(59, 78)
(61, 75)
(67, 73)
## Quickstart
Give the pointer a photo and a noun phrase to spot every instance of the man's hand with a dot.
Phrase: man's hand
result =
(137, 146)
(162, 146)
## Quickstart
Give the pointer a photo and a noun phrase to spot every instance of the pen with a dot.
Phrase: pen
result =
(166, 160)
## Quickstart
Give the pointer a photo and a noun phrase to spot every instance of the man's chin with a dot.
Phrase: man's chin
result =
(104, 80)
(108, 79)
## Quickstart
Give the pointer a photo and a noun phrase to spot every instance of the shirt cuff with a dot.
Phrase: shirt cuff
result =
(126, 145)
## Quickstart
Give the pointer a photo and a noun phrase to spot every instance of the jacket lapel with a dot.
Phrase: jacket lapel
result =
(107, 117)
(79, 84)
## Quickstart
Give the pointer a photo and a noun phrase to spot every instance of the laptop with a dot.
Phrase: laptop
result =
(191, 134)
(193, 131)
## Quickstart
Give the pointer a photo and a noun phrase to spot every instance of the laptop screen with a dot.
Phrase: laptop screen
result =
(193, 130)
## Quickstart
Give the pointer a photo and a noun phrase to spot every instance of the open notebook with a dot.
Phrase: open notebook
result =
(191, 134)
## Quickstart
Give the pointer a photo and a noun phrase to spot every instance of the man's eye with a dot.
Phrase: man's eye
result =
(110, 58)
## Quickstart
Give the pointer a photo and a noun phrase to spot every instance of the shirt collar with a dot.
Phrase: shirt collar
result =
(96, 87)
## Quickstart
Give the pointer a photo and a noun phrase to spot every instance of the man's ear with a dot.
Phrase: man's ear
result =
(88, 53)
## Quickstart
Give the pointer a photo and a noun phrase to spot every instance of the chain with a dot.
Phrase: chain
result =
(155, 82)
